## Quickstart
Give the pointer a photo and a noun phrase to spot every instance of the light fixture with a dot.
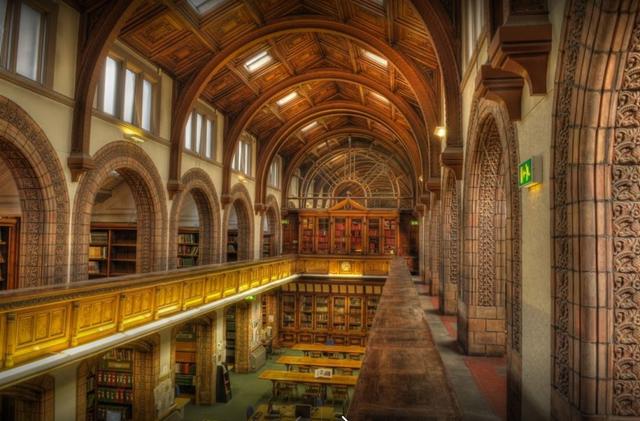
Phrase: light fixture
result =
(440, 131)
(132, 136)
(287, 98)
(375, 58)
(309, 126)
(258, 61)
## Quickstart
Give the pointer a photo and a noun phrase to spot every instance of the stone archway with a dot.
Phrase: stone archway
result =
(595, 209)
(489, 302)
(240, 202)
(450, 246)
(434, 244)
(30, 400)
(36, 169)
(198, 183)
(271, 217)
(142, 177)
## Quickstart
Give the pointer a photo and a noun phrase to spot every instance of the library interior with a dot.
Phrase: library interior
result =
(340, 210)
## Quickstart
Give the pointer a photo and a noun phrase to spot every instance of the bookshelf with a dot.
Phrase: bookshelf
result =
(266, 244)
(230, 334)
(374, 236)
(188, 247)
(390, 232)
(343, 310)
(112, 250)
(9, 229)
(306, 235)
(340, 235)
(185, 365)
(357, 236)
(232, 245)
(323, 235)
(114, 385)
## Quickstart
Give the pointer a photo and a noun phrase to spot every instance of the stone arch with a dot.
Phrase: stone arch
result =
(434, 244)
(33, 399)
(36, 169)
(142, 177)
(595, 210)
(489, 303)
(271, 216)
(450, 249)
(197, 183)
(240, 200)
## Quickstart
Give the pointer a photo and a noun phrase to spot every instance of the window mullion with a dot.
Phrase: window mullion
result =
(137, 101)
(14, 28)
(120, 83)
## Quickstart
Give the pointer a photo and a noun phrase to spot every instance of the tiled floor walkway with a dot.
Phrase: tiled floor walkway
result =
(479, 382)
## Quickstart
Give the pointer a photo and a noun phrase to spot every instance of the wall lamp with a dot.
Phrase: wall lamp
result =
(441, 132)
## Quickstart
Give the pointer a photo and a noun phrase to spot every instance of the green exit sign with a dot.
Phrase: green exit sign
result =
(529, 172)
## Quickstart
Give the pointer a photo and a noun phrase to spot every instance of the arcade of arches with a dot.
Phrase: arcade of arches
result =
(382, 209)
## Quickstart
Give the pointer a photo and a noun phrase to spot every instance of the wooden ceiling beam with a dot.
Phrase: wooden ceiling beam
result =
(202, 36)
(281, 57)
(353, 57)
(390, 6)
(363, 98)
(243, 78)
(344, 10)
(254, 11)
(304, 92)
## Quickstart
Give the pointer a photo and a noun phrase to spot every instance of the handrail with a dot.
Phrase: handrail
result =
(35, 322)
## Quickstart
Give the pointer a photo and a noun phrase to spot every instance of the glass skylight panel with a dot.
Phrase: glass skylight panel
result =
(258, 61)
(309, 126)
(287, 98)
(375, 58)
(203, 6)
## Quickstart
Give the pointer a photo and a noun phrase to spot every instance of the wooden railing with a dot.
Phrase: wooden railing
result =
(42, 321)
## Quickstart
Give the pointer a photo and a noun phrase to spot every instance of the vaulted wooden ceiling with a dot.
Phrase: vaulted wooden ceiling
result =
(174, 35)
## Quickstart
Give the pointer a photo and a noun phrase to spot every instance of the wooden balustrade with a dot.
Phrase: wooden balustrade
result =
(42, 321)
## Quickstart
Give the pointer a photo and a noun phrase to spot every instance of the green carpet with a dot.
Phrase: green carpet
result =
(246, 389)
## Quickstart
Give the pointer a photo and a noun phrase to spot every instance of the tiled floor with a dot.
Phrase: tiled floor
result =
(479, 382)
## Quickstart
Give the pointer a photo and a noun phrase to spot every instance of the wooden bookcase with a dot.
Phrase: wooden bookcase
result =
(348, 228)
(9, 235)
(114, 384)
(230, 334)
(188, 247)
(313, 310)
(267, 244)
(232, 245)
(112, 250)
(185, 368)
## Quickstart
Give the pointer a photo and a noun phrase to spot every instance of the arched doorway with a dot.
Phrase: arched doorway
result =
(126, 187)
(489, 301)
(450, 252)
(271, 229)
(239, 226)
(32, 400)
(35, 211)
(195, 222)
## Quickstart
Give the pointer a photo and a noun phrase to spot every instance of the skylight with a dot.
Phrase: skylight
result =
(375, 58)
(258, 61)
(380, 97)
(203, 6)
(287, 98)
(309, 126)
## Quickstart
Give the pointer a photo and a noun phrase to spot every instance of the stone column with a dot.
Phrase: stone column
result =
(243, 329)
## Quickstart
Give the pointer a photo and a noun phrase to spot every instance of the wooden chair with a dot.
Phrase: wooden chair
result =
(287, 390)
(312, 392)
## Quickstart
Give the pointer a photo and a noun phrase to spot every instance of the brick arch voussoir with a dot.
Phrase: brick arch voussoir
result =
(42, 186)
(241, 200)
(198, 183)
(142, 177)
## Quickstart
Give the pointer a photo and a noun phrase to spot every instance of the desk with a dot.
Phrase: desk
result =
(289, 360)
(344, 349)
(297, 377)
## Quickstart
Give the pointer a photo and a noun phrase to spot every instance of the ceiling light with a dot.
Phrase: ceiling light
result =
(380, 97)
(440, 131)
(203, 6)
(309, 126)
(375, 58)
(258, 61)
(287, 98)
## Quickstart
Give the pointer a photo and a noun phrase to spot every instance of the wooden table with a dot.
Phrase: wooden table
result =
(296, 377)
(343, 349)
(289, 360)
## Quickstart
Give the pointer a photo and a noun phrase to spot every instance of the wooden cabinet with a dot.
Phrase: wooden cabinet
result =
(112, 250)
(313, 310)
(9, 230)
(348, 229)
(185, 366)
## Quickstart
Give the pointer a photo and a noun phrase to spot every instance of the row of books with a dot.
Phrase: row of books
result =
(188, 238)
(119, 395)
(99, 237)
(184, 262)
(115, 379)
(97, 252)
(120, 354)
(187, 250)
(185, 368)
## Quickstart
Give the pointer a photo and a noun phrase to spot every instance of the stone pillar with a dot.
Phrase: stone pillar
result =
(65, 392)
(243, 329)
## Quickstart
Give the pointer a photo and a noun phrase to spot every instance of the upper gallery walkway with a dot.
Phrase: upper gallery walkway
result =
(45, 328)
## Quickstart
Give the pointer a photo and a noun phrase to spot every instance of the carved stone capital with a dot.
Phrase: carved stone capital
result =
(503, 87)
(225, 199)
(523, 48)
(174, 187)
(433, 184)
(259, 208)
(79, 163)
(453, 158)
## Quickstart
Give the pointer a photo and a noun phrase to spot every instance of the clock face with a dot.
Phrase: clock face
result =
(345, 267)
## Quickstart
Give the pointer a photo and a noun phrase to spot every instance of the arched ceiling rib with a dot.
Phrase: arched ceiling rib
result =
(318, 49)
